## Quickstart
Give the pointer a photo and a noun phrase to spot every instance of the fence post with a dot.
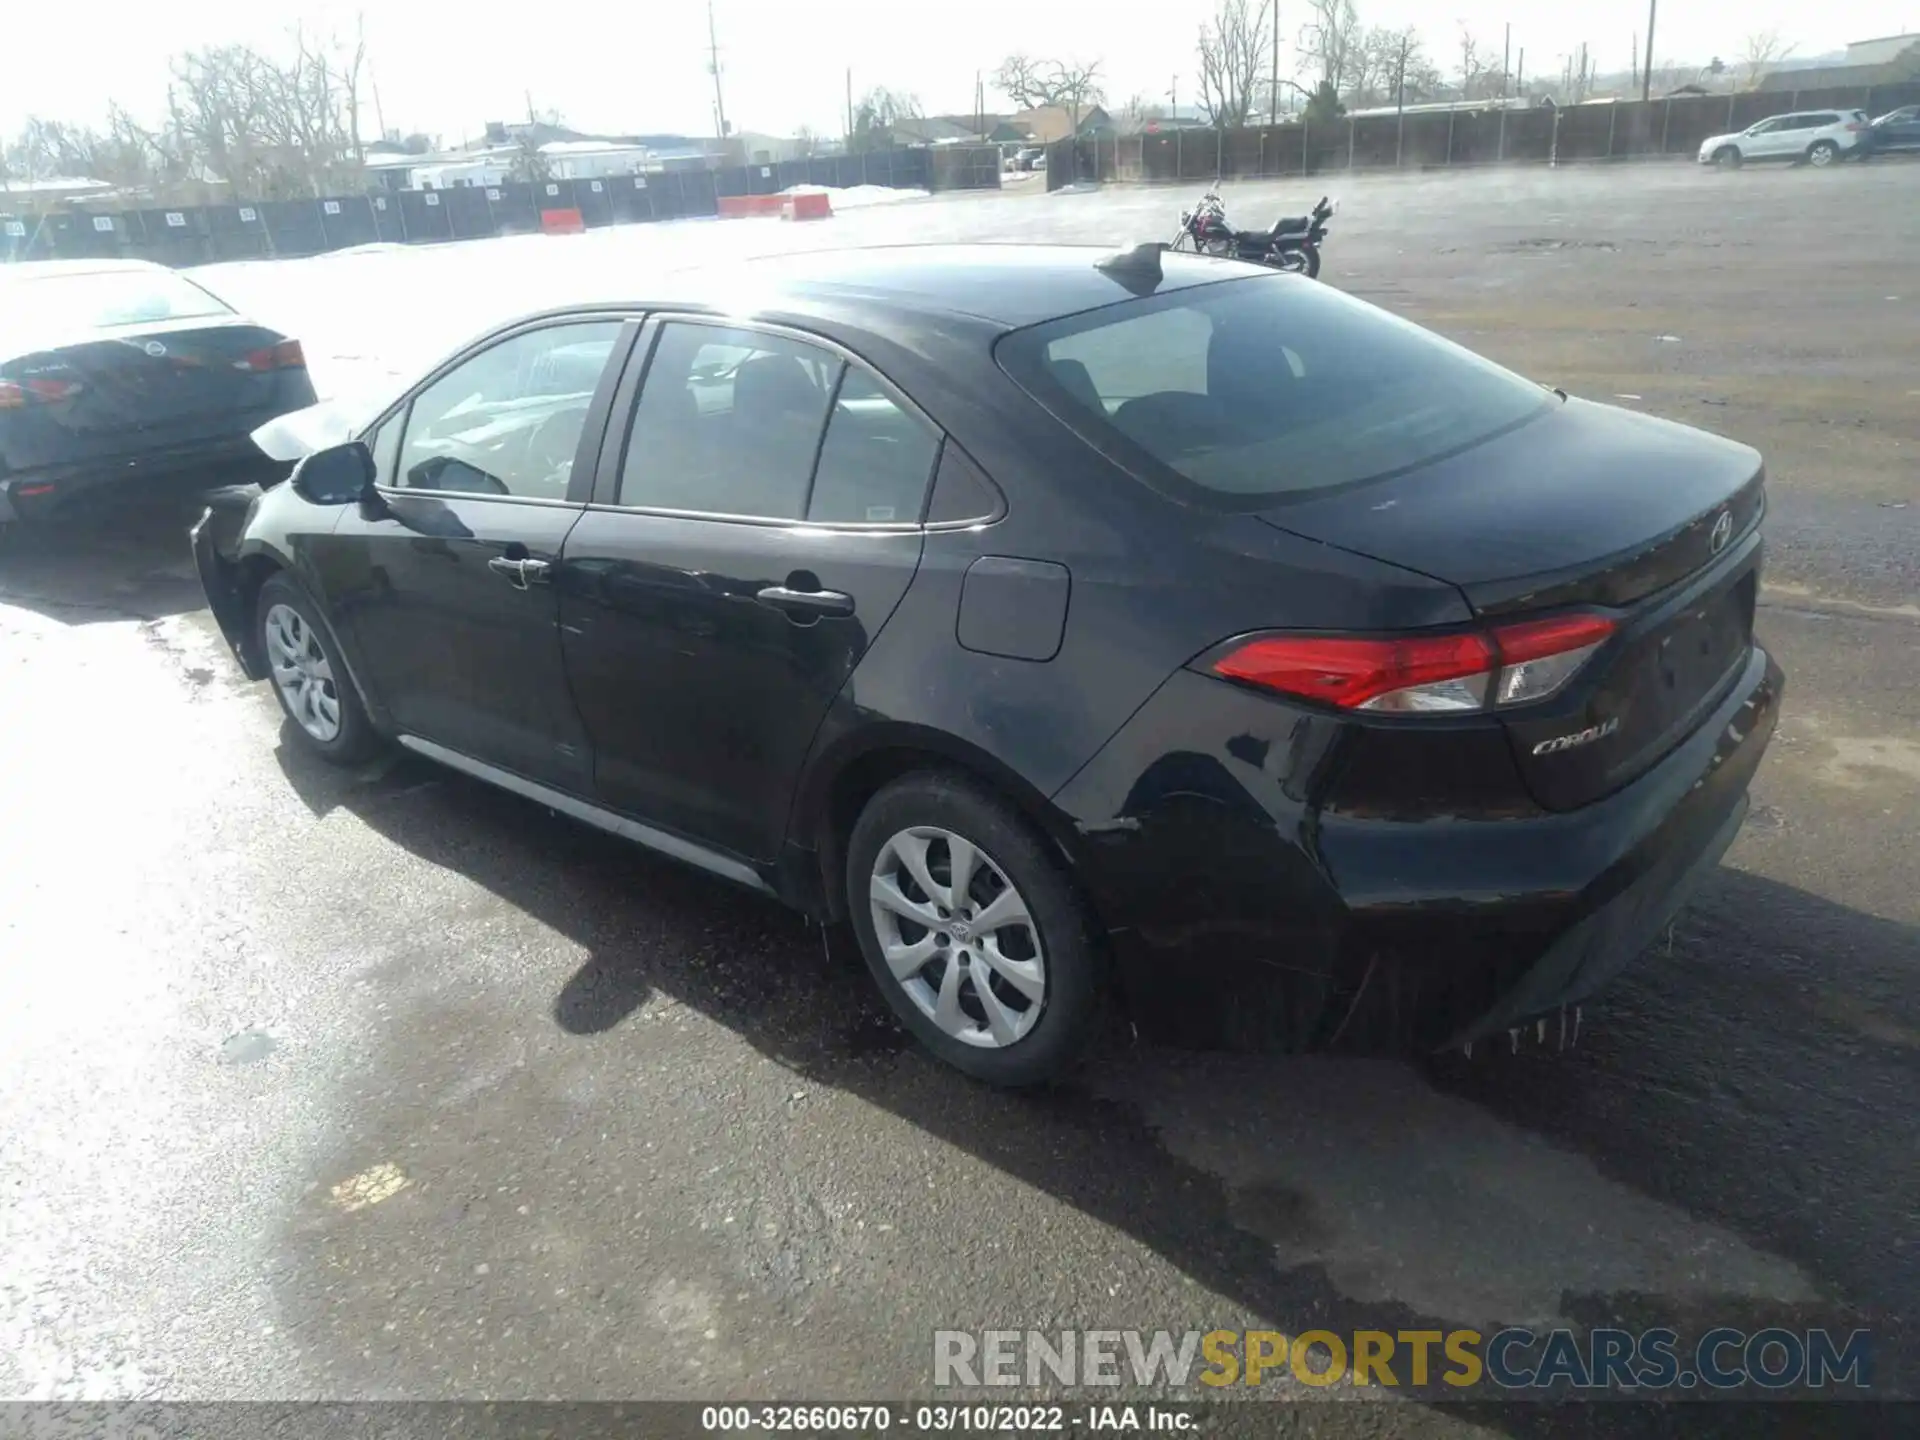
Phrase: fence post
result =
(1179, 154)
(320, 211)
(1666, 118)
(1613, 117)
(1730, 109)
(1351, 125)
(1553, 145)
(1306, 133)
(1219, 150)
(1450, 115)
(1500, 152)
(1263, 154)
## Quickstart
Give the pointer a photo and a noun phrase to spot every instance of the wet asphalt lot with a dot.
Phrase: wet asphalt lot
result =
(383, 1085)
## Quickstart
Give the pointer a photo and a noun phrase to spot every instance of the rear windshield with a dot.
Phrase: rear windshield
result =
(99, 299)
(1255, 390)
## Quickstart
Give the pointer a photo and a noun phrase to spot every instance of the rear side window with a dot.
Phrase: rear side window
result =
(875, 461)
(743, 423)
(1249, 391)
(728, 423)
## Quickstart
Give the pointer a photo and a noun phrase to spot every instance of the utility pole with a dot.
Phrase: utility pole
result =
(1506, 56)
(1520, 80)
(849, 109)
(1580, 93)
(1646, 79)
(1400, 110)
(713, 64)
(1273, 81)
(1634, 78)
(1173, 101)
(379, 115)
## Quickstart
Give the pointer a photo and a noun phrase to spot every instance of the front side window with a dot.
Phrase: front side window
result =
(1245, 392)
(508, 421)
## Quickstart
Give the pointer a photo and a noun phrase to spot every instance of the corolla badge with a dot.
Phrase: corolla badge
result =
(1722, 532)
(1578, 738)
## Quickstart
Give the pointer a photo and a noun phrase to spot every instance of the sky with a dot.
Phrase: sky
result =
(446, 70)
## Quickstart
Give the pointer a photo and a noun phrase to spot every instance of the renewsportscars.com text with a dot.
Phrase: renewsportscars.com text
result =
(1509, 1359)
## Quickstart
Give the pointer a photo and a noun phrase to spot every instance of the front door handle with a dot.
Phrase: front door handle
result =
(521, 573)
(806, 604)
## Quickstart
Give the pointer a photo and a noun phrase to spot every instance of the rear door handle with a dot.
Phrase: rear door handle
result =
(806, 604)
(521, 573)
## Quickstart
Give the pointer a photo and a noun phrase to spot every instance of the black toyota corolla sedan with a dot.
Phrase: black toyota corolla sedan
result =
(126, 373)
(1073, 625)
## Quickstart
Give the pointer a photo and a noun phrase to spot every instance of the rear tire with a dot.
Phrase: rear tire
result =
(1728, 157)
(1017, 922)
(309, 676)
(1822, 153)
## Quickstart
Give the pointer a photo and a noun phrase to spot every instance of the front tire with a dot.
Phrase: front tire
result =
(309, 676)
(1822, 153)
(1728, 157)
(998, 974)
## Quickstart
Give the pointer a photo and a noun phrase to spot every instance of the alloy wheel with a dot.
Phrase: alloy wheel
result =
(302, 673)
(957, 937)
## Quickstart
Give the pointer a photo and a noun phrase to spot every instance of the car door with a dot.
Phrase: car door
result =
(1904, 129)
(1770, 140)
(446, 582)
(755, 520)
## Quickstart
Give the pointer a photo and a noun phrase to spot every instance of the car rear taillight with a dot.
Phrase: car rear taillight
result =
(287, 355)
(1465, 671)
(1856, 126)
(37, 390)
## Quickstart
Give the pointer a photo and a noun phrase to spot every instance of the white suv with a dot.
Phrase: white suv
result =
(1819, 137)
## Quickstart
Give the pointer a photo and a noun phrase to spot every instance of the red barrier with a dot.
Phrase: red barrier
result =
(735, 207)
(562, 222)
(806, 206)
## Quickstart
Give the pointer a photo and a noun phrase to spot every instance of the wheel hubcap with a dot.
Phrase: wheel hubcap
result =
(302, 673)
(958, 937)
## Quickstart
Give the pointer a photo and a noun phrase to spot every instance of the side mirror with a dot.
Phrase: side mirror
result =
(338, 475)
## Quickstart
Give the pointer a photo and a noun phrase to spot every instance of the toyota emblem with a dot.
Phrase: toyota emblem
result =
(155, 349)
(1722, 532)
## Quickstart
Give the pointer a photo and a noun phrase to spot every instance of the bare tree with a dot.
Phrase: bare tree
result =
(1762, 51)
(1233, 51)
(1137, 114)
(1373, 68)
(1031, 84)
(1328, 40)
(805, 141)
(1478, 77)
(878, 112)
(269, 128)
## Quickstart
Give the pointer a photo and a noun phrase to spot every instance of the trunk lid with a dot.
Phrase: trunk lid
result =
(1587, 507)
(135, 390)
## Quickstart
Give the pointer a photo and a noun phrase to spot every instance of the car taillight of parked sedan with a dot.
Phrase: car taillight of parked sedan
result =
(1465, 671)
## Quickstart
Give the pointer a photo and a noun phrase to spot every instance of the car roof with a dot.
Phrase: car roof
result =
(45, 269)
(1009, 285)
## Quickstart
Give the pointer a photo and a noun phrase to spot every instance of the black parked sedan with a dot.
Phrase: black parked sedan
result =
(121, 372)
(1071, 624)
(1896, 130)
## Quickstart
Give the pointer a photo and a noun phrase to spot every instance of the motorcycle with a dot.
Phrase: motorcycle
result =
(1293, 244)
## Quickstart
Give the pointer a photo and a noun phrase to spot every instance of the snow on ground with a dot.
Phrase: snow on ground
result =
(857, 197)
